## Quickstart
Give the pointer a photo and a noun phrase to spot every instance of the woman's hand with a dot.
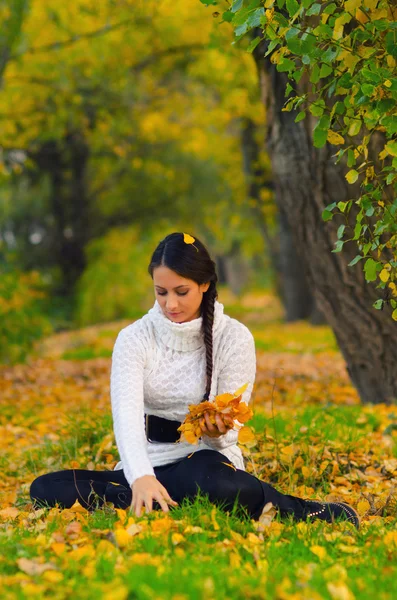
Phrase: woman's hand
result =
(146, 489)
(221, 426)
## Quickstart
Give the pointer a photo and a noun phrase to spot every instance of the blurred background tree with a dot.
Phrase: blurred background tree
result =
(123, 121)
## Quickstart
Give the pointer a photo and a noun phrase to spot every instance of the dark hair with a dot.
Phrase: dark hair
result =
(192, 261)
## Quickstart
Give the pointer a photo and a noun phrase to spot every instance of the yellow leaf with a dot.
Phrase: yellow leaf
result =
(269, 14)
(351, 5)
(122, 537)
(240, 390)
(384, 275)
(245, 435)
(363, 506)
(306, 472)
(53, 576)
(339, 591)
(188, 239)
(394, 315)
(177, 538)
(213, 519)
(352, 176)
(9, 513)
(122, 514)
(58, 548)
(319, 551)
(338, 28)
(387, 83)
(289, 450)
(334, 138)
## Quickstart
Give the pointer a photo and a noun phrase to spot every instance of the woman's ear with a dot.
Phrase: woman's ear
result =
(205, 286)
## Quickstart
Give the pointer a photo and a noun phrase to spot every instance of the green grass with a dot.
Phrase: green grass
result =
(310, 442)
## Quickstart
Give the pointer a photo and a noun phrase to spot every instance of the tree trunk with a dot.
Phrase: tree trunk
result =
(289, 272)
(306, 181)
(66, 165)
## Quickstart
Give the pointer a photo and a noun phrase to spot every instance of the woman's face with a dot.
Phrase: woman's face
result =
(179, 298)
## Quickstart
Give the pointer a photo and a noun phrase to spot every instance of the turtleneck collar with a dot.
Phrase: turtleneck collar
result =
(183, 336)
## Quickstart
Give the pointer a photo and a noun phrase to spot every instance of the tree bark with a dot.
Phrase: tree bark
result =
(66, 165)
(306, 181)
(291, 283)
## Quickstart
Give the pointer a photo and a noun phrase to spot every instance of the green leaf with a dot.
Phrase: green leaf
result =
(391, 45)
(272, 46)
(320, 131)
(253, 44)
(300, 116)
(355, 126)
(315, 74)
(325, 70)
(342, 206)
(285, 65)
(378, 304)
(340, 232)
(351, 159)
(355, 260)
(227, 16)
(314, 9)
(330, 9)
(391, 148)
(368, 89)
(237, 4)
(370, 269)
(292, 7)
(316, 110)
(327, 215)
(208, 2)
(338, 246)
(370, 75)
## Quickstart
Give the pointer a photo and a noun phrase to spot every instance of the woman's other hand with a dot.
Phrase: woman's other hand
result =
(222, 425)
(146, 489)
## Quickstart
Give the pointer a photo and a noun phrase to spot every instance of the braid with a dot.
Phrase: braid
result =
(207, 312)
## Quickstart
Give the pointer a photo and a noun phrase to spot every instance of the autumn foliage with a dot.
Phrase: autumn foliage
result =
(224, 404)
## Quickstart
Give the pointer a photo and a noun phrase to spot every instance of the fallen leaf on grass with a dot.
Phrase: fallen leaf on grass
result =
(319, 551)
(268, 513)
(9, 513)
(33, 567)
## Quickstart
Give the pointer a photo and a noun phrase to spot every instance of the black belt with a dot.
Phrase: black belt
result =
(162, 430)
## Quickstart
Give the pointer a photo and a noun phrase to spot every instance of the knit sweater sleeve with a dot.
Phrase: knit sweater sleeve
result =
(238, 368)
(126, 391)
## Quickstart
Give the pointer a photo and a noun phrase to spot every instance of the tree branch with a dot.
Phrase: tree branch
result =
(72, 40)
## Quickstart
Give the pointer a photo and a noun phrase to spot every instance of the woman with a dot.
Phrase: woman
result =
(184, 350)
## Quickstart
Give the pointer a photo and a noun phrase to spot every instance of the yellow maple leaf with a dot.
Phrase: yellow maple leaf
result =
(245, 435)
(228, 405)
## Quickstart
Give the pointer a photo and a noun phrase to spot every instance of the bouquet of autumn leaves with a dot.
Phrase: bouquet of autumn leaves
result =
(224, 404)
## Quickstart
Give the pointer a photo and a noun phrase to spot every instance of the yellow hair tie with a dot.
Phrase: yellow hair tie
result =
(188, 239)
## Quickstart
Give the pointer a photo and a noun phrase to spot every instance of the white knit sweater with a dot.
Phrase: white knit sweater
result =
(158, 368)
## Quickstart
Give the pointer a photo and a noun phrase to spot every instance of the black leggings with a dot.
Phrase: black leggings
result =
(206, 470)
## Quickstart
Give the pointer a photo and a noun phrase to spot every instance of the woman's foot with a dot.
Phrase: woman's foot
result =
(331, 511)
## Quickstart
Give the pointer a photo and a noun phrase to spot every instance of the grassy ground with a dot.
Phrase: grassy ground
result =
(313, 439)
